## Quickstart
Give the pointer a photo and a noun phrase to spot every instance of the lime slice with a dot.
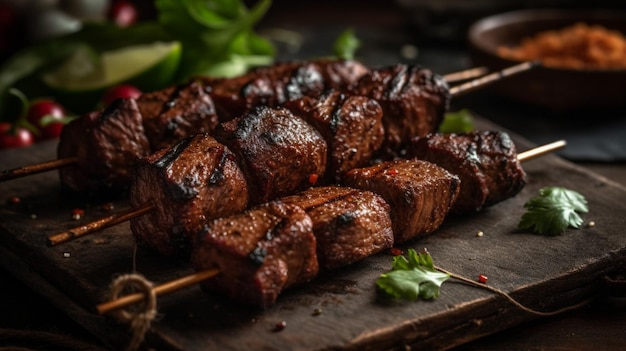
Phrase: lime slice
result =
(84, 76)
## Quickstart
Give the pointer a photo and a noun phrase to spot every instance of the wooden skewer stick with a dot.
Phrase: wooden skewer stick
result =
(165, 288)
(541, 150)
(37, 168)
(198, 277)
(99, 224)
(465, 74)
(493, 77)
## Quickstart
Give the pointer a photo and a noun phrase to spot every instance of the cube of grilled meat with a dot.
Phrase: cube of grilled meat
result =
(420, 193)
(279, 153)
(174, 113)
(352, 126)
(349, 224)
(276, 84)
(485, 161)
(259, 253)
(268, 86)
(341, 74)
(195, 180)
(107, 144)
(413, 99)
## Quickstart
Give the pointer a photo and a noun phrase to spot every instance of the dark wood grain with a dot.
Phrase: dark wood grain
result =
(544, 273)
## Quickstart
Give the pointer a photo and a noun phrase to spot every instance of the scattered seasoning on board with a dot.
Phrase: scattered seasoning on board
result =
(313, 178)
(483, 278)
(280, 326)
(317, 311)
(391, 171)
(479, 233)
(396, 251)
(77, 213)
(591, 224)
(66, 254)
(108, 206)
(14, 200)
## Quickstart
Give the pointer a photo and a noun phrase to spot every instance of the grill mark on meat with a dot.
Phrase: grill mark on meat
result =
(110, 110)
(335, 116)
(257, 256)
(173, 153)
(217, 175)
(398, 83)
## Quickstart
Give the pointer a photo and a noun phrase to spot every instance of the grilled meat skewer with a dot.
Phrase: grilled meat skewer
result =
(276, 245)
(335, 73)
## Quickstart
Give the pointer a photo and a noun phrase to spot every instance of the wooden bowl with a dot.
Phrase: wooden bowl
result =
(555, 88)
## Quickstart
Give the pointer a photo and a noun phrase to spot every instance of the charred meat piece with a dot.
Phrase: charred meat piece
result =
(341, 74)
(259, 253)
(174, 113)
(196, 180)
(413, 99)
(107, 144)
(349, 224)
(351, 125)
(268, 86)
(280, 153)
(276, 84)
(420, 193)
(485, 161)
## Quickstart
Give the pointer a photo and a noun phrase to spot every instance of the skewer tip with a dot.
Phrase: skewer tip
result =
(541, 150)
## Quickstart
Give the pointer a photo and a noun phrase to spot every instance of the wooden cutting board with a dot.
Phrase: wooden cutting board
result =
(340, 310)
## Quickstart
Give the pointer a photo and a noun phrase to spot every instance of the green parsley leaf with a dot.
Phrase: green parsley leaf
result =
(457, 122)
(553, 210)
(412, 278)
(346, 45)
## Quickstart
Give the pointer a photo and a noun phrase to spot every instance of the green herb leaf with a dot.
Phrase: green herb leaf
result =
(457, 122)
(346, 45)
(553, 210)
(217, 35)
(412, 278)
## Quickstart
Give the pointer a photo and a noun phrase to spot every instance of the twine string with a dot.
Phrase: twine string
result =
(140, 315)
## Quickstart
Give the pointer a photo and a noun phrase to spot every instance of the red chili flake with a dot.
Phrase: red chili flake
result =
(77, 213)
(108, 206)
(313, 178)
(396, 251)
(483, 278)
(280, 326)
(14, 200)
(392, 171)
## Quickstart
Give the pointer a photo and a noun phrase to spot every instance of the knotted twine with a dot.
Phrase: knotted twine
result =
(139, 316)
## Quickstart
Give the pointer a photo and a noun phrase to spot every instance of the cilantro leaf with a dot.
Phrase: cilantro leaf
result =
(412, 278)
(457, 122)
(346, 45)
(553, 210)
